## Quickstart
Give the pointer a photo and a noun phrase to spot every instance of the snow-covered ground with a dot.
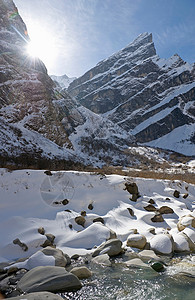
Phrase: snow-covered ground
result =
(31, 199)
(177, 140)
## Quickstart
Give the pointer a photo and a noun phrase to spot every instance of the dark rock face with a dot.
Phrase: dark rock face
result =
(144, 94)
(25, 85)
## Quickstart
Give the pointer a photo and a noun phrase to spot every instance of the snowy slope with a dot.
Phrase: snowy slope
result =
(178, 140)
(63, 81)
(28, 201)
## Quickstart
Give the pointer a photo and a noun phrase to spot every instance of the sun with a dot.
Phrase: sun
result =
(42, 45)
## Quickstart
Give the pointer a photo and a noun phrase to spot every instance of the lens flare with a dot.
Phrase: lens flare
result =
(41, 45)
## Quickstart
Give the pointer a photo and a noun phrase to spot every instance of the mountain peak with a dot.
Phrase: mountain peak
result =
(63, 81)
(143, 37)
(143, 41)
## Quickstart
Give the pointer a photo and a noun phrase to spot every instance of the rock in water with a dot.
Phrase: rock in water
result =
(50, 279)
(157, 266)
(38, 296)
(148, 255)
(136, 241)
(111, 247)
(137, 263)
(81, 272)
(181, 242)
(102, 260)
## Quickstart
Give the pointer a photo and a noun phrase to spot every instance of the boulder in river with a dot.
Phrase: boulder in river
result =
(136, 241)
(38, 296)
(81, 272)
(111, 247)
(50, 279)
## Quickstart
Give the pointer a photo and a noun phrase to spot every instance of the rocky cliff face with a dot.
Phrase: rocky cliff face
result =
(148, 96)
(27, 91)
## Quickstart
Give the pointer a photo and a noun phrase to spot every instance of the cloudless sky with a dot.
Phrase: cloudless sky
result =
(87, 31)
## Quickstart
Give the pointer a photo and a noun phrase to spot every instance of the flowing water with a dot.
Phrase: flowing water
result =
(120, 282)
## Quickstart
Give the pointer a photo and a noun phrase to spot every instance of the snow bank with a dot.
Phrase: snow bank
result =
(31, 199)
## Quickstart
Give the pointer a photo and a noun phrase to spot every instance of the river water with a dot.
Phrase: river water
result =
(119, 282)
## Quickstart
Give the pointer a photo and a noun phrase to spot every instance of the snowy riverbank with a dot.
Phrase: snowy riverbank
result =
(31, 199)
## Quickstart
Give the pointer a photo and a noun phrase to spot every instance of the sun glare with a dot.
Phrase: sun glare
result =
(42, 45)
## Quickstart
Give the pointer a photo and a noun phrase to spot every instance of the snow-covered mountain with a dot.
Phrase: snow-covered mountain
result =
(150, 97)
(41, 125)
(37, 120)
(62, 81)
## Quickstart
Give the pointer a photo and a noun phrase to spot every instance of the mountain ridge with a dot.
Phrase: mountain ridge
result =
(135, 85)
(42, 125)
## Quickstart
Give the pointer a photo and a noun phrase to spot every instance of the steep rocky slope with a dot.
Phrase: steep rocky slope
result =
(150, 97)
(26, 92)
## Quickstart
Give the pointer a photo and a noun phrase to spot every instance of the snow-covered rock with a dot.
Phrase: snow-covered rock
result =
(181, 242)
(136, 241)
(186, 221)
(46, 257)
(162, 244)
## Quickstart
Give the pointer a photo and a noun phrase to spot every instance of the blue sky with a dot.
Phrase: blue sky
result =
(87, 31)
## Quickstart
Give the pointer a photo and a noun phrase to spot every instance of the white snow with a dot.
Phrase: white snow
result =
(180, 242)
(36, 260)
(161, 243)
(162, 114)
(190, 233)
(177, 140)
(64, 81)
(169, 63)
(23, 209)
(174, 92)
